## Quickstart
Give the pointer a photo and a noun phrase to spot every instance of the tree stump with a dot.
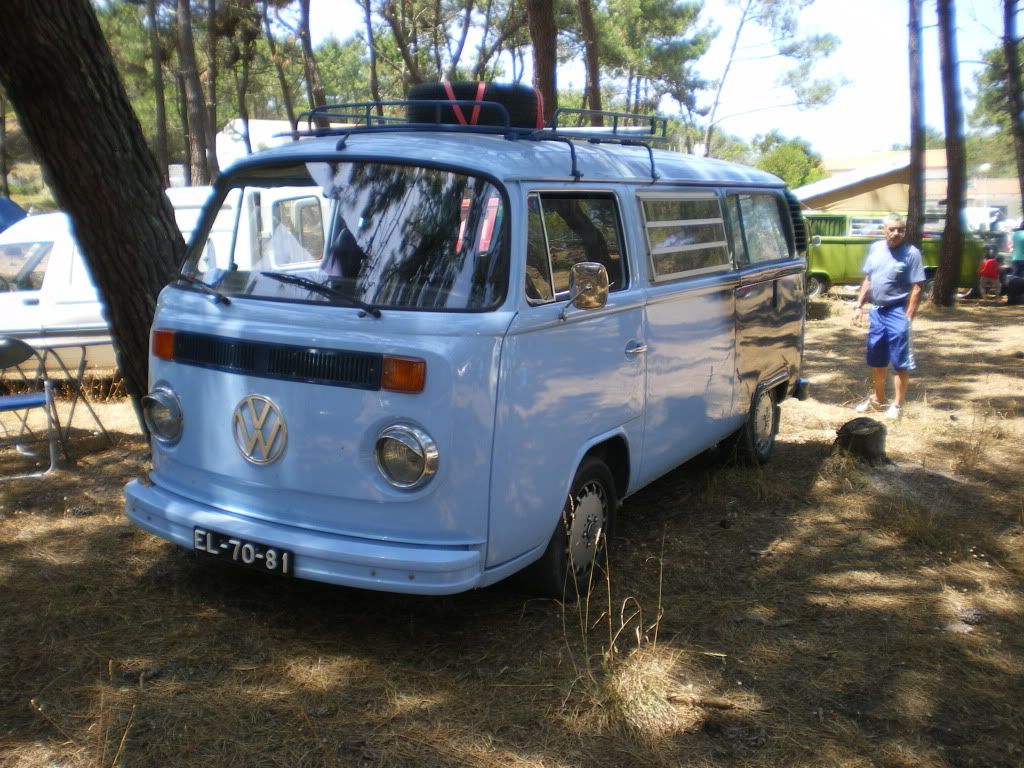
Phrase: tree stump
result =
(864, 438)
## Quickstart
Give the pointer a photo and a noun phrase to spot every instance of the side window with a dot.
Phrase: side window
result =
(826, 226)
(685, 235)
(298, 231)
(865, 226)
(762, 228)
(23, 265)
(565, 229)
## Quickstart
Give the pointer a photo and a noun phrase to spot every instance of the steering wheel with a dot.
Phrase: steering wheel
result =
(5, 284)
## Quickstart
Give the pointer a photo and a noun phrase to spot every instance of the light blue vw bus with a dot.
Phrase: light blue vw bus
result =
(423, 357)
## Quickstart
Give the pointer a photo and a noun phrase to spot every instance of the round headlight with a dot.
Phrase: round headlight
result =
(406, 456)
(162, 414)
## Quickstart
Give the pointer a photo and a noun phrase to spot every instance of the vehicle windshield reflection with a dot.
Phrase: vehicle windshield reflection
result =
(381, 235)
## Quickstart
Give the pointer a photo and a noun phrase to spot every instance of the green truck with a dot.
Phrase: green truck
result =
(839, 242)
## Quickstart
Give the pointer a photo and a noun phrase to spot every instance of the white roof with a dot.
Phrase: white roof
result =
(510, 160)
(39, 228)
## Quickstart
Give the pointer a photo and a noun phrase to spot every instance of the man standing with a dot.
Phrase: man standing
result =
(1017, 260)
(893, 275)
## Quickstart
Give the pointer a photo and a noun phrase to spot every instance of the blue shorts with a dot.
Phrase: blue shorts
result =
(889, 339)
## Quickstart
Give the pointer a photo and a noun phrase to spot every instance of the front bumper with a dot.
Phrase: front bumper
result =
(345, 560)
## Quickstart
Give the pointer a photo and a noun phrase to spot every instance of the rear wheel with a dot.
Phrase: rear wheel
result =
(757, 437)
(576, 550)
(926, 289)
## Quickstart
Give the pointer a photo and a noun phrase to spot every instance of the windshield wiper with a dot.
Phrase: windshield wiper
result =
(194, 282)
(323, 290)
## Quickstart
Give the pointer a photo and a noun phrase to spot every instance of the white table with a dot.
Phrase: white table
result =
(57, 347)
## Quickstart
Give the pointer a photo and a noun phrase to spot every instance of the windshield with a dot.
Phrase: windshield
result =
(389, 236)
(23, 265)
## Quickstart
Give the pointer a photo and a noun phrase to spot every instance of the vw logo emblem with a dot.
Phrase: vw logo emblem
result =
(259, 429)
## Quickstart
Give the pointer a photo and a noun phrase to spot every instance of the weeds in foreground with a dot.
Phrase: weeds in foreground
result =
(629, 686)
(970, 444)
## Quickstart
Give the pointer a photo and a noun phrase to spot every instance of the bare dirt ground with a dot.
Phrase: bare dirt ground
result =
(817, 612)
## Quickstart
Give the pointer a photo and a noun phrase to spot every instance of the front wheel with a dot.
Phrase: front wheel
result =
(577, 547)
(757, 438)
(816, 286)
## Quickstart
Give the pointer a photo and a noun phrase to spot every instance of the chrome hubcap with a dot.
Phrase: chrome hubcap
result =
(587, 519)
(763, 418)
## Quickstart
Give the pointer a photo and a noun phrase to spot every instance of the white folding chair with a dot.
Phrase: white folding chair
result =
(14, 353)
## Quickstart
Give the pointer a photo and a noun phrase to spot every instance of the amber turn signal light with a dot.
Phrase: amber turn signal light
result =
(163, 344)
(403, 374)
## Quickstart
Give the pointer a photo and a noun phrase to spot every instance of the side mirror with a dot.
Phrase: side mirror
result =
(588, 286)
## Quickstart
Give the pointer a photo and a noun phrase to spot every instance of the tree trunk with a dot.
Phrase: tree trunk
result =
(708, 132)
(286, 91)
(182, 105)
(950, 256)
(371, 49)
(194, 99)
(1013, 84)
(5, 188)
(242, 91)
(59, 74)
(540, 15)
(211, 90)
(160, 144)
(456, 55)
(314, 86)
(915, 206)
(405, 42)
(593, 60)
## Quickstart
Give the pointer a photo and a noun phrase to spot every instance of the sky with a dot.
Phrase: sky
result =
(870, 113)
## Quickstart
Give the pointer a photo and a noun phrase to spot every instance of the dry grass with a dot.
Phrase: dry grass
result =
(817, 612)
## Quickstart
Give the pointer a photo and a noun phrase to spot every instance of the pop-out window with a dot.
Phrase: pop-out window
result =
(685, 235)
(565, 229)
(757, 230)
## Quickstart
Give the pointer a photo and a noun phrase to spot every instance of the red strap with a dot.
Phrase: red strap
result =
(455, 107)
(479, 97)
(540, 108)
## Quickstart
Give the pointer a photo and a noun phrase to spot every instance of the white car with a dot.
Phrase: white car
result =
(45, 285)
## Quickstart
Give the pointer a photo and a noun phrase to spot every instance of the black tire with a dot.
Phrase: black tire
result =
(926, 289)
(580, 537)
(756, 440)
(520, 100)
(816, 286)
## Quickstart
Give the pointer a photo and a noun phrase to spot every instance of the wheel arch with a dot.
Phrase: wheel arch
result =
(614, 452)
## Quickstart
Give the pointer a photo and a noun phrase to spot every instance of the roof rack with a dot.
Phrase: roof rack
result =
(643, 127)
(369, 114)
(344, 120)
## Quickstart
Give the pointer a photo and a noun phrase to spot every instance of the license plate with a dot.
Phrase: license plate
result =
(247, 553)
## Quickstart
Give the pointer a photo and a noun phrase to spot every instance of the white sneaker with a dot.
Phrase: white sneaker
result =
(893, 411)
(870, 404)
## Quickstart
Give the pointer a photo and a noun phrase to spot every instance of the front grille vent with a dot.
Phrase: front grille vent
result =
(332, 367)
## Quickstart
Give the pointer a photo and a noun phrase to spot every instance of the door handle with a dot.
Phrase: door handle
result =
(30, 302)
(635, 348)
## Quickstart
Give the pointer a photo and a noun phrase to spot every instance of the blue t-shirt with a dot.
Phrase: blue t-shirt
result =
(1018, 245)
(892, 272)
